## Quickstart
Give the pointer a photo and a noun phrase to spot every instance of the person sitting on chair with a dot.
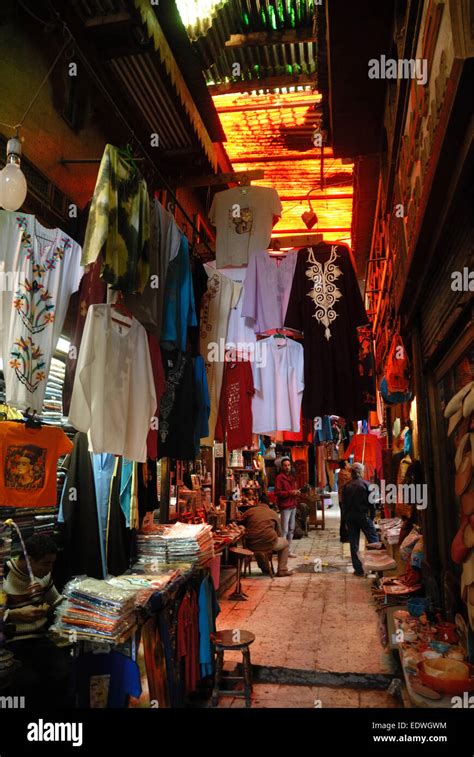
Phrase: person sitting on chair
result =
(45, 672)
(263, 535)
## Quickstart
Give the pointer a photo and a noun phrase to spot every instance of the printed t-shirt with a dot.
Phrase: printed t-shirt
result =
(235, 410)
(243, 217)
(29, 460)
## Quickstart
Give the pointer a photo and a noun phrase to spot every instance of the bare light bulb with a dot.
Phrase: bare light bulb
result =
(13, 186)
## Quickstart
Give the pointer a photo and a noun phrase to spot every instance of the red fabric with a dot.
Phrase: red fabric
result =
(235, 407)
(283, 485)
(188, 640)
(398, 367)
(299, 453)
(160, 385)
(368, 447)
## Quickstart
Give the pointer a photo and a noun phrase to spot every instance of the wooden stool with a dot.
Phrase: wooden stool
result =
(233, 640)
(266, 558)
(242, 554)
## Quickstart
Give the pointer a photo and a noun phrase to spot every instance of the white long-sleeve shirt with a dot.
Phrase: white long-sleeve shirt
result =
(114, 396)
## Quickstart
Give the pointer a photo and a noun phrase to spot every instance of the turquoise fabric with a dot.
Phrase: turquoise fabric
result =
(126, 489)
(208, 612)
(179, 310)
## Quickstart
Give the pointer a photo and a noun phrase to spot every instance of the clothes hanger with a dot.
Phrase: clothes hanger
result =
(245, 184)
(120, 308)
(31, 419)
(127, 154)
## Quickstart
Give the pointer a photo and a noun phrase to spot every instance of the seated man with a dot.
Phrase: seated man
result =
(263, 534)
(44, 676)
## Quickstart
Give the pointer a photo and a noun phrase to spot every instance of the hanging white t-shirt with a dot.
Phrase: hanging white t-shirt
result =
(114, 396)
(40, 269)
(279, 382)
(243, 217)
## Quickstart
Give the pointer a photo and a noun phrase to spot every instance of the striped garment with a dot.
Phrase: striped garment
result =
(21, 592)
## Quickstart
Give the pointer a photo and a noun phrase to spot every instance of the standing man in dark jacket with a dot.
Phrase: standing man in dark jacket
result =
(356, 513)
(286, 492)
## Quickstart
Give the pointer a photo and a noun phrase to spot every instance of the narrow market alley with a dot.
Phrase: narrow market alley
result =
(317, 622)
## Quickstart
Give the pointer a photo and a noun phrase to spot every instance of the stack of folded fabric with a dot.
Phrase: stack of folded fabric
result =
(144, 585)
(390, 530)
(378, 560)
(96, 609)
(182, 542)
(45, 521)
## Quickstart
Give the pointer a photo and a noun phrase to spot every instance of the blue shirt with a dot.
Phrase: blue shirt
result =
(201, 428)
(179, 310)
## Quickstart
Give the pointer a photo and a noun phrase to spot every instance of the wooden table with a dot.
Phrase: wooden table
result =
(312, 501)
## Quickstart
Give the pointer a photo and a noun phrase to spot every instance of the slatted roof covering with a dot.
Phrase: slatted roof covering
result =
(275, 38)
(274, 132)
(135, 52)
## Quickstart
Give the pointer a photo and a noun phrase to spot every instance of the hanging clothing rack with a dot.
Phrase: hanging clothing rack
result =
(138, 143)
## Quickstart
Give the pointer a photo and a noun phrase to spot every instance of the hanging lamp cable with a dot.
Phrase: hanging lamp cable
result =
(45, 79)
(17, 127)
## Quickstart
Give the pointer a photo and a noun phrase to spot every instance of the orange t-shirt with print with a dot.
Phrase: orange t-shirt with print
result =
(28, 464)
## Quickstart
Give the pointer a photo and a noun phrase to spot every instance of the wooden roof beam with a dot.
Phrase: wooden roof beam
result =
(280, 37)
(221, 178)
(287, 105)
(271, 82)
(112, 18)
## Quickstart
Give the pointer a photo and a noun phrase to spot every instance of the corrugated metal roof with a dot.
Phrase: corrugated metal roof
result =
(139, 76)
(256, 62)
(147, 74)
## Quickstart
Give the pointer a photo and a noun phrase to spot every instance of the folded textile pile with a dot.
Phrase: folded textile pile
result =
(96, 609)
(144, 585)
(45, 522)
(182, 542)
(377, 560)
(390, 530)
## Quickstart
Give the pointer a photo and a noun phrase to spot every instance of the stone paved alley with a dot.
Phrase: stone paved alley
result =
(313, 621)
